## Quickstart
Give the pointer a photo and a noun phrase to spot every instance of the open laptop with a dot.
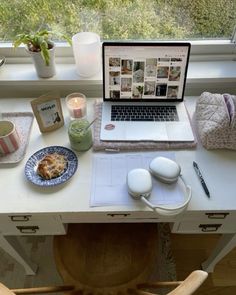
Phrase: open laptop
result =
(143, 90)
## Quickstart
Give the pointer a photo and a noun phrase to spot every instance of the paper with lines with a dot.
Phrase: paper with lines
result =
(109, 180)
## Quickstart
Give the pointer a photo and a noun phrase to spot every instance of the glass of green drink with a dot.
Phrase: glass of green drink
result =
(80, 135)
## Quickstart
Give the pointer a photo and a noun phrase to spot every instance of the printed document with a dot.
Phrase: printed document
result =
(109, 186)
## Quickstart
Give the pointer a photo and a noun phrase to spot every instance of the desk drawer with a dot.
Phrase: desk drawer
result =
(26, 224)
(207, 216)
(206, 222)
(200, 227)
(115, 217)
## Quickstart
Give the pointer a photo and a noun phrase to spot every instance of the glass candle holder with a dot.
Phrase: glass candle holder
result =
(76, 104)
(87, 53)
(80, 135)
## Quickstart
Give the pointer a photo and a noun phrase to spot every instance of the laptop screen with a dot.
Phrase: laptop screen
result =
(144, 71)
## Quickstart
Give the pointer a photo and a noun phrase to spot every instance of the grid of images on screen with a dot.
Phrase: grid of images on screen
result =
(148, 78)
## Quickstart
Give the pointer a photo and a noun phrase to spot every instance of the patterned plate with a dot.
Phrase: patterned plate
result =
(32, 164)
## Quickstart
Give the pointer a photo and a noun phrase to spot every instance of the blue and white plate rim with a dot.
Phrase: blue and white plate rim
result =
(31, 166)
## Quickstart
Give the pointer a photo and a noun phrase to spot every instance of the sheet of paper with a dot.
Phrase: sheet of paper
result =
(109, 180)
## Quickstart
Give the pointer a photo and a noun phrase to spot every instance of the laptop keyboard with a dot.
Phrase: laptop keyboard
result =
(143, 113)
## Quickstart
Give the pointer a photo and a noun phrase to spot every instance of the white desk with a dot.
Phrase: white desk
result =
(28, 209)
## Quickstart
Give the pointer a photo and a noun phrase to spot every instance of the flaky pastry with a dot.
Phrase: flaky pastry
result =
(52, 166)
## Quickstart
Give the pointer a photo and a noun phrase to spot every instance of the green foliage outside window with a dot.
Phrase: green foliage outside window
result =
(120, 19)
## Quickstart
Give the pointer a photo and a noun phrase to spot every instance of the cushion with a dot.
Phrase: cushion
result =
(216, 121)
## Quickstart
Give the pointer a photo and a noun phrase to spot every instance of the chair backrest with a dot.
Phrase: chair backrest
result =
(186, 287)
(38, 290)
(4, 290)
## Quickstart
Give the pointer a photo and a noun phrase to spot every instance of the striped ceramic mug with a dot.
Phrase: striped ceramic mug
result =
(9, 138)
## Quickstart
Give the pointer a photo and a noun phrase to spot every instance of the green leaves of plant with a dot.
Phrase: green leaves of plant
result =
(39, 42)
(45, 52)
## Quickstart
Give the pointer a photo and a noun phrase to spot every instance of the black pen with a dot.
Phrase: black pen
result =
(196, 168)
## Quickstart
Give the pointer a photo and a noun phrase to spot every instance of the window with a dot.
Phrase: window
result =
(121, 19)
(208, 24)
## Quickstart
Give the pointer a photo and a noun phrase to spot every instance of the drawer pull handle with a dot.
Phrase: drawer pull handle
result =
(209, 227)
(118, 214)
(217, 215)
(17, 218)
(28, 229)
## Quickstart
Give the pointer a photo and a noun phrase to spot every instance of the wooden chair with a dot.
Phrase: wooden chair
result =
(111, 259)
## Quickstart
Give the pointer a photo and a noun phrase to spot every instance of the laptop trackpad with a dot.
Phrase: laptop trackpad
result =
(146, 131)
(179, 131)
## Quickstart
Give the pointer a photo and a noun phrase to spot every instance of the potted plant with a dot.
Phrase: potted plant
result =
(42, 49)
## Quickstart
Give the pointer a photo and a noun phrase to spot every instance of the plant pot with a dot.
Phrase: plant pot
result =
(44, 71)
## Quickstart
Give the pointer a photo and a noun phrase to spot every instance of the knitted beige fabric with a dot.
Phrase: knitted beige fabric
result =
(216, 120)
(99, 145)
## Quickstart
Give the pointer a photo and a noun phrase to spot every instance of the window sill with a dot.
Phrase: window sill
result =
(25, 74)
(20, 80)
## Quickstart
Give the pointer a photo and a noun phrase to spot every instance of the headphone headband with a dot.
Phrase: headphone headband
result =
(174, 209)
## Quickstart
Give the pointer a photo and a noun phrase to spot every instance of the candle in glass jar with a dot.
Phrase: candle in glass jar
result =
(76, 104)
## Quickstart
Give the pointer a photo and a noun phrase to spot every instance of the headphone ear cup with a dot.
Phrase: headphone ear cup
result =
(139, 183)
(164, 169)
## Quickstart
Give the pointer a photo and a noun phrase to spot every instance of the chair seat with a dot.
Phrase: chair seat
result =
(106, 258)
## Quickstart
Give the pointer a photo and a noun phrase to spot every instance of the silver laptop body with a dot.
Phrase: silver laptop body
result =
(143, 90)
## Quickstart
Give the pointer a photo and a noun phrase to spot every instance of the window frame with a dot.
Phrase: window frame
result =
(211, 66)
(200, 50)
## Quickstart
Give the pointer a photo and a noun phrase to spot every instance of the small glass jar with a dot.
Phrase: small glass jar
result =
(79, 135)
(76, 105)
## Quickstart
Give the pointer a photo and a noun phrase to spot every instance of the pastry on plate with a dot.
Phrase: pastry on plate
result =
(52, 166)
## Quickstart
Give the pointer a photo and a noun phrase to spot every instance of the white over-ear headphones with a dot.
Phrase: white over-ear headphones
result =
(139, 183)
